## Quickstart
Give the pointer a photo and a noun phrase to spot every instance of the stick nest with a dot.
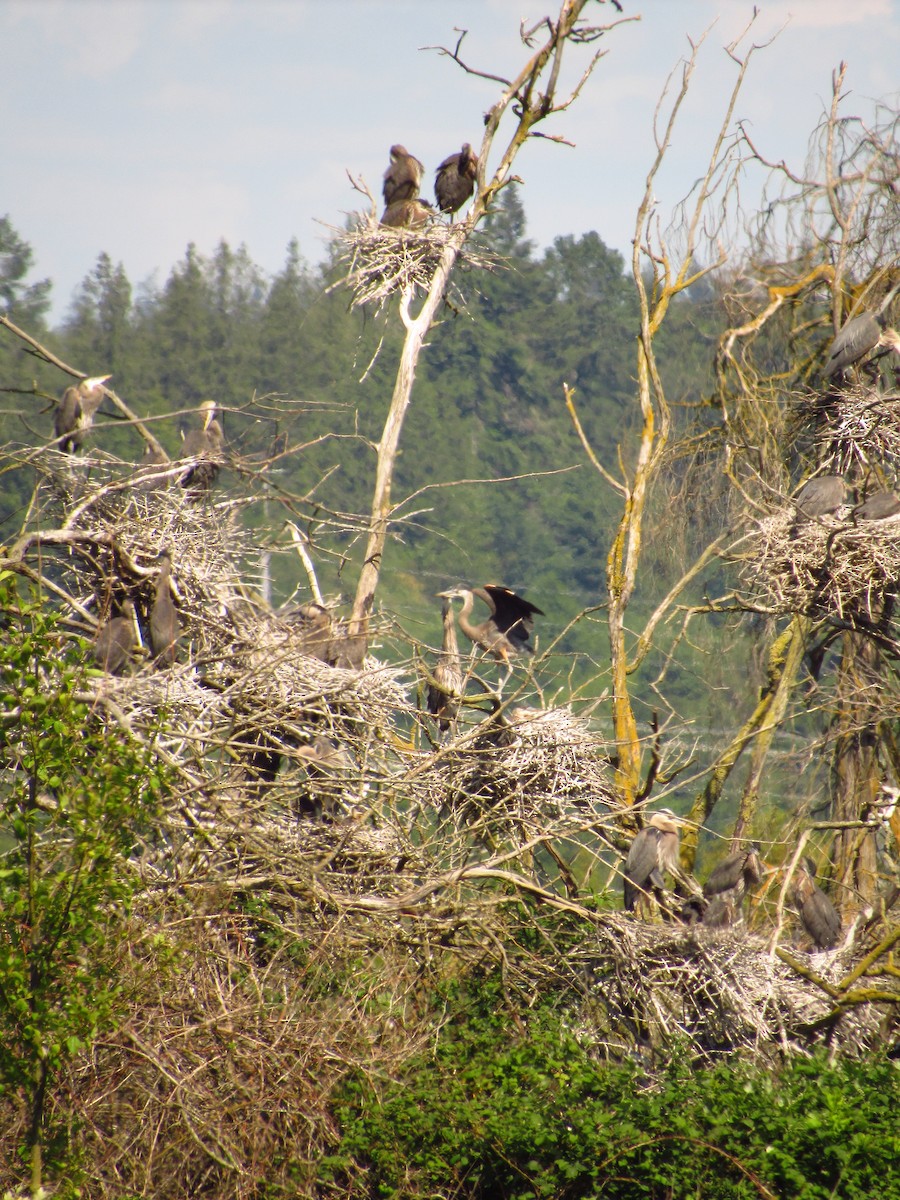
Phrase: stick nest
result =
(380, 260)
(831, 566)
(852, 429)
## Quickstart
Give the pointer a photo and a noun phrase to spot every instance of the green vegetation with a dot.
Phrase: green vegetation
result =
(522, 1109)
(75, 800)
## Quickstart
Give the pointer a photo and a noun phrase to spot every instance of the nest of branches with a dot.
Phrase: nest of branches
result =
(519, 772)
(718, 992)
(831, 566)
(853, 428)
(380, 260)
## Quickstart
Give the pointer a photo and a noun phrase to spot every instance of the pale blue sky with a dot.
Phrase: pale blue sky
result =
(137, 126)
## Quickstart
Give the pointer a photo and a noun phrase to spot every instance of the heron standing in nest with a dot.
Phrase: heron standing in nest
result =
(444, 694)
(818, 915)
(454, 180)
(117, 640)
(653, 853)
(861, 335)
(403, 177)
(819, 497)
(165, 625)
(506, 632)
(205, 443)
(75, 412)
(728, 884)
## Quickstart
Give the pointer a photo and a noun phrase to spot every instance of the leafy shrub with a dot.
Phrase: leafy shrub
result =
(521, 1114)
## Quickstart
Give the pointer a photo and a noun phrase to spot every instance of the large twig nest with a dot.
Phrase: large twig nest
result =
(521, 770)
(831, 566)
(380, 260)
(854, 429)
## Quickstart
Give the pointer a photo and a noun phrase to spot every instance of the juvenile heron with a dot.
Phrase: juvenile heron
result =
(406, 214)
(165, 625)
(204, 443)
(403, 177)
(313, 623)
(75, 412)
(653, 852)
(728, 884)
(116, 640)
(443, 700)
(819, 497)
(818, 915)
(861, 334)
(454, 180)
(880, 506)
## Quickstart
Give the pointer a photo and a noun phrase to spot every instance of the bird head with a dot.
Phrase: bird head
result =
(665, 820)
(92, 384)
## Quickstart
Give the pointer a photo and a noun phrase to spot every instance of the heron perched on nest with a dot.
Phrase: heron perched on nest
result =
(443, 699)
(454, 180)
(880, 506)
(403, 177)
(116, 640)
(407, 214)
(860, 335)
(819, 497)
(165, 625)
(653, 853)
(75, 412)
(728, 884)
(205, 443)
(313, 623)
(818, 915)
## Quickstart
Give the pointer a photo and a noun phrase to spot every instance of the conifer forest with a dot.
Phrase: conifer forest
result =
(449, 699)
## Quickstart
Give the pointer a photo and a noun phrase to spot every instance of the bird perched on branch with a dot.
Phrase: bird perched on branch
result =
(728, 884)
(116, 640)
(454, 180)
(819, 497)
(403, 177)
(880, 506)
(653, 852)
(443, 700)
(861, 334)
(165, 625)
(206, 443)
(818, 915)
(75, 412)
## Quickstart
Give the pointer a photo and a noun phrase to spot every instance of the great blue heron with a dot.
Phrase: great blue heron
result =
(150, 473)
(204, 443)
(312, 622)
(819, 497)
(327, 763)
(653, 852)
(861, 334)
(75, 412)
(880, 506)
(443, 699)
(116, 640)
(505, 633)
(454, 180)
(406, 214)
(403, 177)
(728, 884)
(818, 915)
(165, 625)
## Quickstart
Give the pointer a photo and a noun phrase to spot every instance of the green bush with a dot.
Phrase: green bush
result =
(501, 1112)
